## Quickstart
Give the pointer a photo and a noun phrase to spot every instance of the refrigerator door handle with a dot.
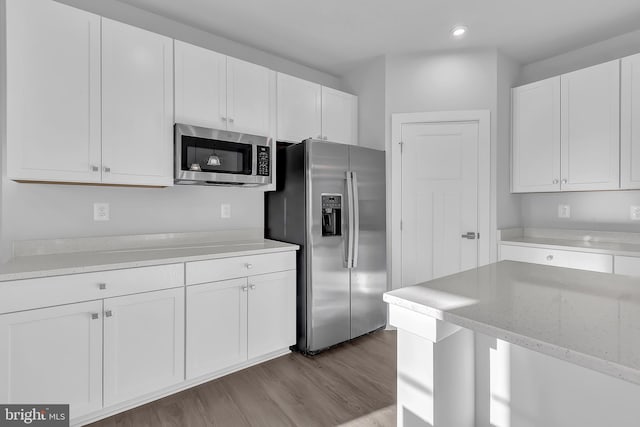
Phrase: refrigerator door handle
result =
(356, 219)
(350, 207)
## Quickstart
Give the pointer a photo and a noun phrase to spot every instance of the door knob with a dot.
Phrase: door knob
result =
(249, 266)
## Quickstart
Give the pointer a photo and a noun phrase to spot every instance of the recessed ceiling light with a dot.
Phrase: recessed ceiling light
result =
(459, 31)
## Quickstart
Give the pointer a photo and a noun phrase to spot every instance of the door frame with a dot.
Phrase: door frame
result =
(485, 193)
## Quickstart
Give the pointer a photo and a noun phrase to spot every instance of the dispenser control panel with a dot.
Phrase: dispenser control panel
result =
(331, 214)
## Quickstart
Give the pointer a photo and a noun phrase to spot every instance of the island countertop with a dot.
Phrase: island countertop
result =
(587, 318)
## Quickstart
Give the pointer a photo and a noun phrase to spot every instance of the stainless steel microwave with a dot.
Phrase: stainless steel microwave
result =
(218, 157)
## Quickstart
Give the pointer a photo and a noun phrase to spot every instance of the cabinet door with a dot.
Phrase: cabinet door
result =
(216, 326)
(272, 312)
(143, 344)
(536, 136)
(200, 86)
(339, 116)
(299, 109)
(590, 128)
(248, 99)
(53, 92)
(630, 123)
(137, 106)
(53, 355)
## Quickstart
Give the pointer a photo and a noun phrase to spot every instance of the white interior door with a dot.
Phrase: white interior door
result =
(439, 199)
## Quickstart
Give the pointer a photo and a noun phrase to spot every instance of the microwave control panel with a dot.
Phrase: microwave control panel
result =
(263, 164)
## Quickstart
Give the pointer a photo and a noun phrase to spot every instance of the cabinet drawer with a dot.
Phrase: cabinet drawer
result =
(242, 266)
(49, 291)
(559, 258)
(627, 265)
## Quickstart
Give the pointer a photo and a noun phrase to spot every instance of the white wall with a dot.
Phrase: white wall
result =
(367, 80)
(602, 210)
(508, 206)
(38, 211)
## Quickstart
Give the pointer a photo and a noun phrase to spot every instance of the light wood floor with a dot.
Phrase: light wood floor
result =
(352, 385)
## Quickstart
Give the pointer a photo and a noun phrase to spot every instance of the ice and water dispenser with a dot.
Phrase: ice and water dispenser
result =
(331, 215)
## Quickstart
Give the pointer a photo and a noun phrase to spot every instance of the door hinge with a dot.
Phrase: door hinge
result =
(401, 146)
(400, 225)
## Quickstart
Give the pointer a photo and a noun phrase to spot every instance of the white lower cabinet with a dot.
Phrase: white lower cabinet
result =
(271, 312)
(216, 326)
(627, 265)
(53, 355)
(559, 258)
(232, 321)
(143, 344)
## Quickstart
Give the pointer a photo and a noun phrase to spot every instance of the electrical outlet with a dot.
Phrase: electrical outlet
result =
(225, 210)
(564, 211)
(101, 211)
(634, 213)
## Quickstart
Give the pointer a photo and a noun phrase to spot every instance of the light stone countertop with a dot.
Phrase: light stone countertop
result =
(611, 243)
(26, 267)
(586, 318)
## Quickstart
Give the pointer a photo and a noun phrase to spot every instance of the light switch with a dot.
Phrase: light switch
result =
(225, 210)
(101, 211)
(564, 211)
(634, 213)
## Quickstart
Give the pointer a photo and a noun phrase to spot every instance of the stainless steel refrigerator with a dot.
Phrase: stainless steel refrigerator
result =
(330, 200)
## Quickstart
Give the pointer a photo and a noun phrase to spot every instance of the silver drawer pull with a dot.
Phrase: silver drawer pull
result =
(106, 169)
(249, 266)
(102, 286)
(108, 313)
(94, 316)
(94, 168)
(555, 181)
(549, 257)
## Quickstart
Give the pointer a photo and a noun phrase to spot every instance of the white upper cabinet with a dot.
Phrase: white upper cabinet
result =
(248, 97)
(53, 92)
(536, 136)
(200, 86)
(339, 116)
(630, 123)
(309, 110)
(219, 92)
(299, 109)
(137, 106)
(590, 128)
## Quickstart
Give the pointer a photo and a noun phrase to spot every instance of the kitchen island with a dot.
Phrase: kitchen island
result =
(588, 323)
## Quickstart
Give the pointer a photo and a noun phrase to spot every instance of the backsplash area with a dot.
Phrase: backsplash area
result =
(593, 210)
(37, 211)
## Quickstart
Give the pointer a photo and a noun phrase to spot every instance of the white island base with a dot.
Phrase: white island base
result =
(479, 355)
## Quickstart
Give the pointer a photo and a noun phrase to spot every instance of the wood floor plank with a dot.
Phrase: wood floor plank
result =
(351, 385)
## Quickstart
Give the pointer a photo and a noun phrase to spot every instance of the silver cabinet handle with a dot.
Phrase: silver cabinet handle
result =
(106, 169)
(231, 120)
(564, 181)
(102, 286)
(252, 287)
(549, 257)
(325, 138)
(469, 235)
(249, 266)
(94, 168)
(245, 289)
(555, 181)
(108, 313)
(223, 118)
(319, 136)
(94, 316)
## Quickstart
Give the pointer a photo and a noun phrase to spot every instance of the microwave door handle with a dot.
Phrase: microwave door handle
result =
(254, 160)
(349, 219)
(356, 220)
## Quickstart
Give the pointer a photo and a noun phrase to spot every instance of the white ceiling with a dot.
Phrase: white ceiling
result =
(333, 35)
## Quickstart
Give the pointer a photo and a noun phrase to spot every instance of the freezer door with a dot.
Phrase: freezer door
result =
(327, 276)
(369, 276)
